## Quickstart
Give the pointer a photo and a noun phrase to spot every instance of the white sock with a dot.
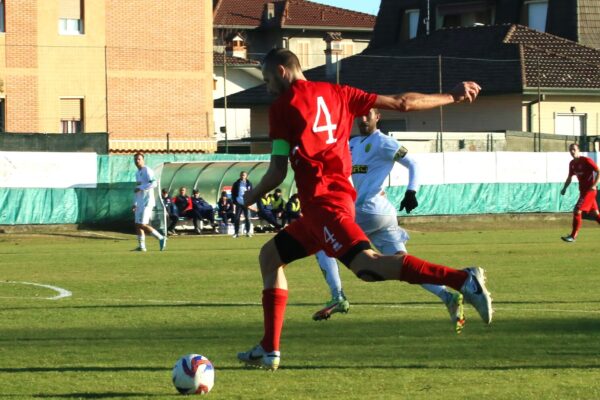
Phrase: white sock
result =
(330, 270)
(439, 291)
(157, 235)
(142, 241)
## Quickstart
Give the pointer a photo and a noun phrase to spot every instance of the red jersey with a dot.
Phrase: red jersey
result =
(316, 119)
(583, 168)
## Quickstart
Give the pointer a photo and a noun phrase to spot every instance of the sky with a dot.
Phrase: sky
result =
(366, 6)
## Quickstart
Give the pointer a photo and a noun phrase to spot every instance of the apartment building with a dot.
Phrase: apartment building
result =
(140, 70)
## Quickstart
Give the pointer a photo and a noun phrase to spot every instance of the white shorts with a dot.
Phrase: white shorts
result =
(383, 231)
(143, 215)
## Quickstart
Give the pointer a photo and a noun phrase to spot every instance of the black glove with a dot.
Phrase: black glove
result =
(409, 202)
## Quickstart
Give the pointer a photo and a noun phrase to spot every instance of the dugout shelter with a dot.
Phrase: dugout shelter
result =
(210, 178)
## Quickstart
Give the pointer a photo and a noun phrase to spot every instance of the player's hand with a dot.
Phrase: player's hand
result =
(409, 202)
(133, 208)
(563, 191)
(465, 92)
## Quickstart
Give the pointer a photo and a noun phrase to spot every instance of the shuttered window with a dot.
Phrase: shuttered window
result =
(70, 17)
(71, 115)
(70, 9)
(304, 54)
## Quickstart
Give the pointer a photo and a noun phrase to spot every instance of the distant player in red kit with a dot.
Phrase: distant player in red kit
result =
(587, 174)
(310, 123)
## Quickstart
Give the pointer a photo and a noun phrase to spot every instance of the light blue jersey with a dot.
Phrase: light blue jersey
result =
(373, 158)
(145, 182)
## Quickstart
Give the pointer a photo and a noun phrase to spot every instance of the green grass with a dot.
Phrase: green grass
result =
(133, 314)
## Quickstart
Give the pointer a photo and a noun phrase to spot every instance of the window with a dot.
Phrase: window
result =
(304, 54)
(570, 124)
(535, 13)
(2, 17)
(393, 125)
(70, 18)
(71, 115)
(456, 15)
(2, 116)
(412, 23)
(347, 50)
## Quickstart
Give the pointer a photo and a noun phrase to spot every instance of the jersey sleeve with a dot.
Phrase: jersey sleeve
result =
(592, 164)
(389, 148)
(359, 101)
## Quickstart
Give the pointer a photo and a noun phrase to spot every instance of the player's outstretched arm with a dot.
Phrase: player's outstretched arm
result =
(411, 101)
(566, 185)
(409, 202)
(275, 174)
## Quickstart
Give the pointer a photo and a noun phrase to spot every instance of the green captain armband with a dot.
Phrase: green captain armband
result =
(281, 147)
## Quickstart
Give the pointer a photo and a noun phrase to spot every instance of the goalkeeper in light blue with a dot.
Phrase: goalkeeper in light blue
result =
(373, 157)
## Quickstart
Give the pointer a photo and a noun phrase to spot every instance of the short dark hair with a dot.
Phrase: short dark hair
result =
(195, 191)
(277, 190)
(280, 56)
(138, 154)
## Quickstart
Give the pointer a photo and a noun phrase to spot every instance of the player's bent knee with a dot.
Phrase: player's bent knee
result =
(269, 257)
(369, 276)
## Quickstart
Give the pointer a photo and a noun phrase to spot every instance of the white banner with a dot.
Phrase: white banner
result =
(48, 170)
(487, 167)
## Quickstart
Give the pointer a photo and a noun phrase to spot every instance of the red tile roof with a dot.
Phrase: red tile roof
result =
(502, 58)
(288, 14)
(234, 61)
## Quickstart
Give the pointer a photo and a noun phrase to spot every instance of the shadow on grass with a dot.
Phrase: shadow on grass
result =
(312, 367)
(106, 395)
(167, 304)
(82, 369)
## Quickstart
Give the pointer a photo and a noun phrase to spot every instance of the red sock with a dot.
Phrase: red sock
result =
(576, 224)
(415, 270)
(274, 302)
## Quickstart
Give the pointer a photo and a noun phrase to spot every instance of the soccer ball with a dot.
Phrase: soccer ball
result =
(193, 374)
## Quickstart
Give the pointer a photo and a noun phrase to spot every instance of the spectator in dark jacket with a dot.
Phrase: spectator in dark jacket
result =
(237, 194)
(172, 212)
(225, 208)
(202, 209)
(183, 202)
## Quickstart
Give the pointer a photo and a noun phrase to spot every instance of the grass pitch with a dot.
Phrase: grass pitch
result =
(132, 315)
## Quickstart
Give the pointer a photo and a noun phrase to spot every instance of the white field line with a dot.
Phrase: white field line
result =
(62, 293)
(105, 235)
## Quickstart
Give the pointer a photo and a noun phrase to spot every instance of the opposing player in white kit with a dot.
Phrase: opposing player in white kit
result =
(144, 203)
(373, 157)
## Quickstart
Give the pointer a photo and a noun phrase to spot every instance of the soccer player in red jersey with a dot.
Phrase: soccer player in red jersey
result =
(587, 174)
(310, 123)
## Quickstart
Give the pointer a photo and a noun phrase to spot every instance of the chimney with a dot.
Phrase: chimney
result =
(236, 47)
(269, 12)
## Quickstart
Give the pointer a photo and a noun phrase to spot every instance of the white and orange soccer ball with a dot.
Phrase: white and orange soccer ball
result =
(193, 374)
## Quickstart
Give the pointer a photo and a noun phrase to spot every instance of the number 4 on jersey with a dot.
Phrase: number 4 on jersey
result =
(328, 127)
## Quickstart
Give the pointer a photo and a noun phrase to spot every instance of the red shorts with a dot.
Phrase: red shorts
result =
(328, 225)
(587, 202)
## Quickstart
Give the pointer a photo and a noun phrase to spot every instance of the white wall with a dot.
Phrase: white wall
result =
(484, 167)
